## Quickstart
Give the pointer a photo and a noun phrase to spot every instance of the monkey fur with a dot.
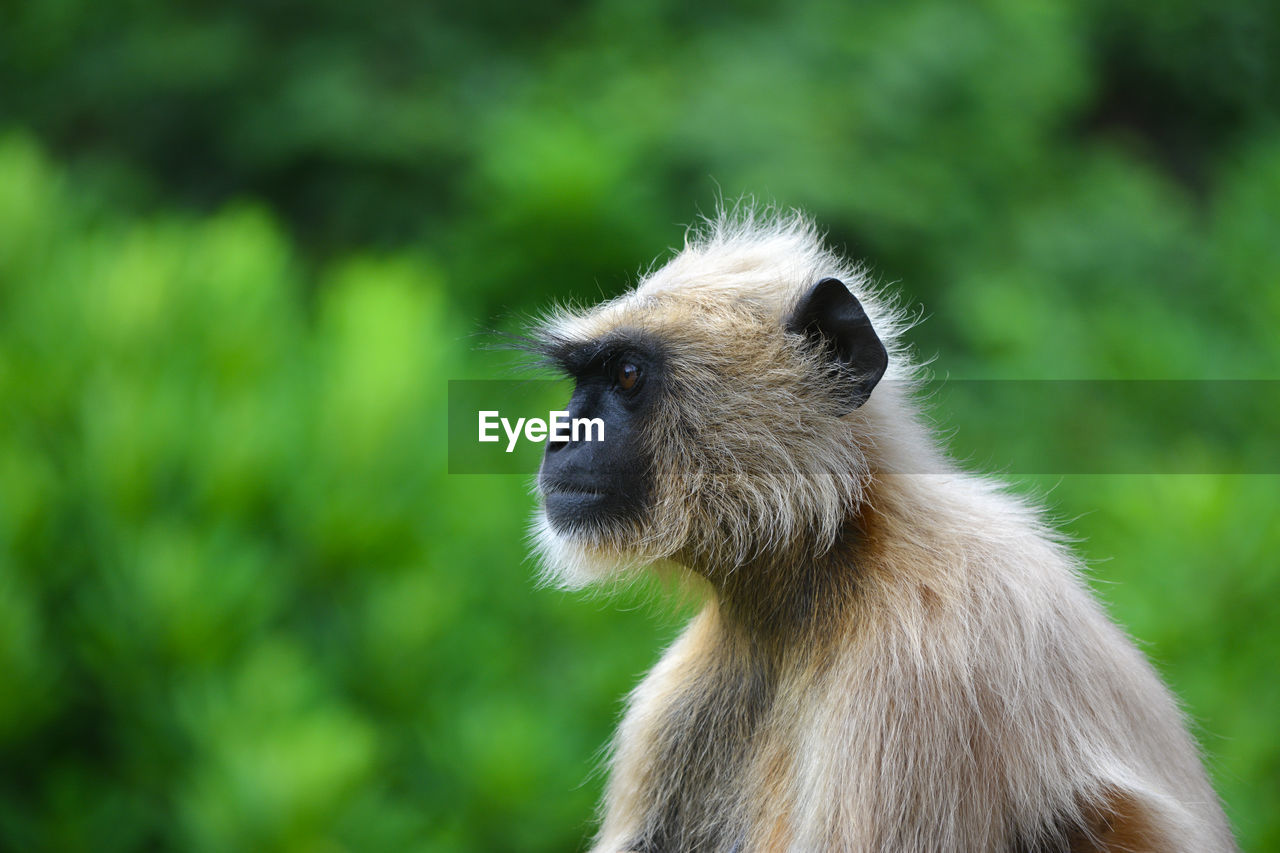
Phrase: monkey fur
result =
(895, 655)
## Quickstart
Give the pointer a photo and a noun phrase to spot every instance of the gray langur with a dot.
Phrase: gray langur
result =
(888, 660)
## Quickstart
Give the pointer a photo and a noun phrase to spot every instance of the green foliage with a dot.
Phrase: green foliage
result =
(243, 605)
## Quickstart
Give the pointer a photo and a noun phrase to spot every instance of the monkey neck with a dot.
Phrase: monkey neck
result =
(783, 600)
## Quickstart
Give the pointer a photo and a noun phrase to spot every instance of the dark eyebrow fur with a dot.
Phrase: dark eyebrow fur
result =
(570, 356)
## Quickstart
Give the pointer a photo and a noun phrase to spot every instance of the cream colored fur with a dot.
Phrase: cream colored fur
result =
(889, 659)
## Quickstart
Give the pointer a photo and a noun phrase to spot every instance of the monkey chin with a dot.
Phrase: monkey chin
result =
(580, 557)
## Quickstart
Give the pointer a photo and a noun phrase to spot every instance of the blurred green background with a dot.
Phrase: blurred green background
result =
(243, 245)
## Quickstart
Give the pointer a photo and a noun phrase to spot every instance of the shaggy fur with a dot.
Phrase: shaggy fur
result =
(889, 660)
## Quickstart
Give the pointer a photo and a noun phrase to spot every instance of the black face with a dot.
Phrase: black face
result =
(595, 482)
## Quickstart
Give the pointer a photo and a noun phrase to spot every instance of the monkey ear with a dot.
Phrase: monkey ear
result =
(829, 315)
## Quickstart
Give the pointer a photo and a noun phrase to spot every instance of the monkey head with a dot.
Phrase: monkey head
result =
(731, 384)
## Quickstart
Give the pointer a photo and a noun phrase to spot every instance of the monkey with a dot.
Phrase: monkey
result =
(894, 654)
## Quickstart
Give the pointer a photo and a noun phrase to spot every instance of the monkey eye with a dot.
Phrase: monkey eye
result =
(626, 374)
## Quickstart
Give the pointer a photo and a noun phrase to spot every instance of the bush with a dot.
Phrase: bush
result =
(241, 606)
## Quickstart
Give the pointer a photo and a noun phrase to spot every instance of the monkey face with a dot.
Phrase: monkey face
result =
(730, 386)
(722, 431)
(594, 480)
